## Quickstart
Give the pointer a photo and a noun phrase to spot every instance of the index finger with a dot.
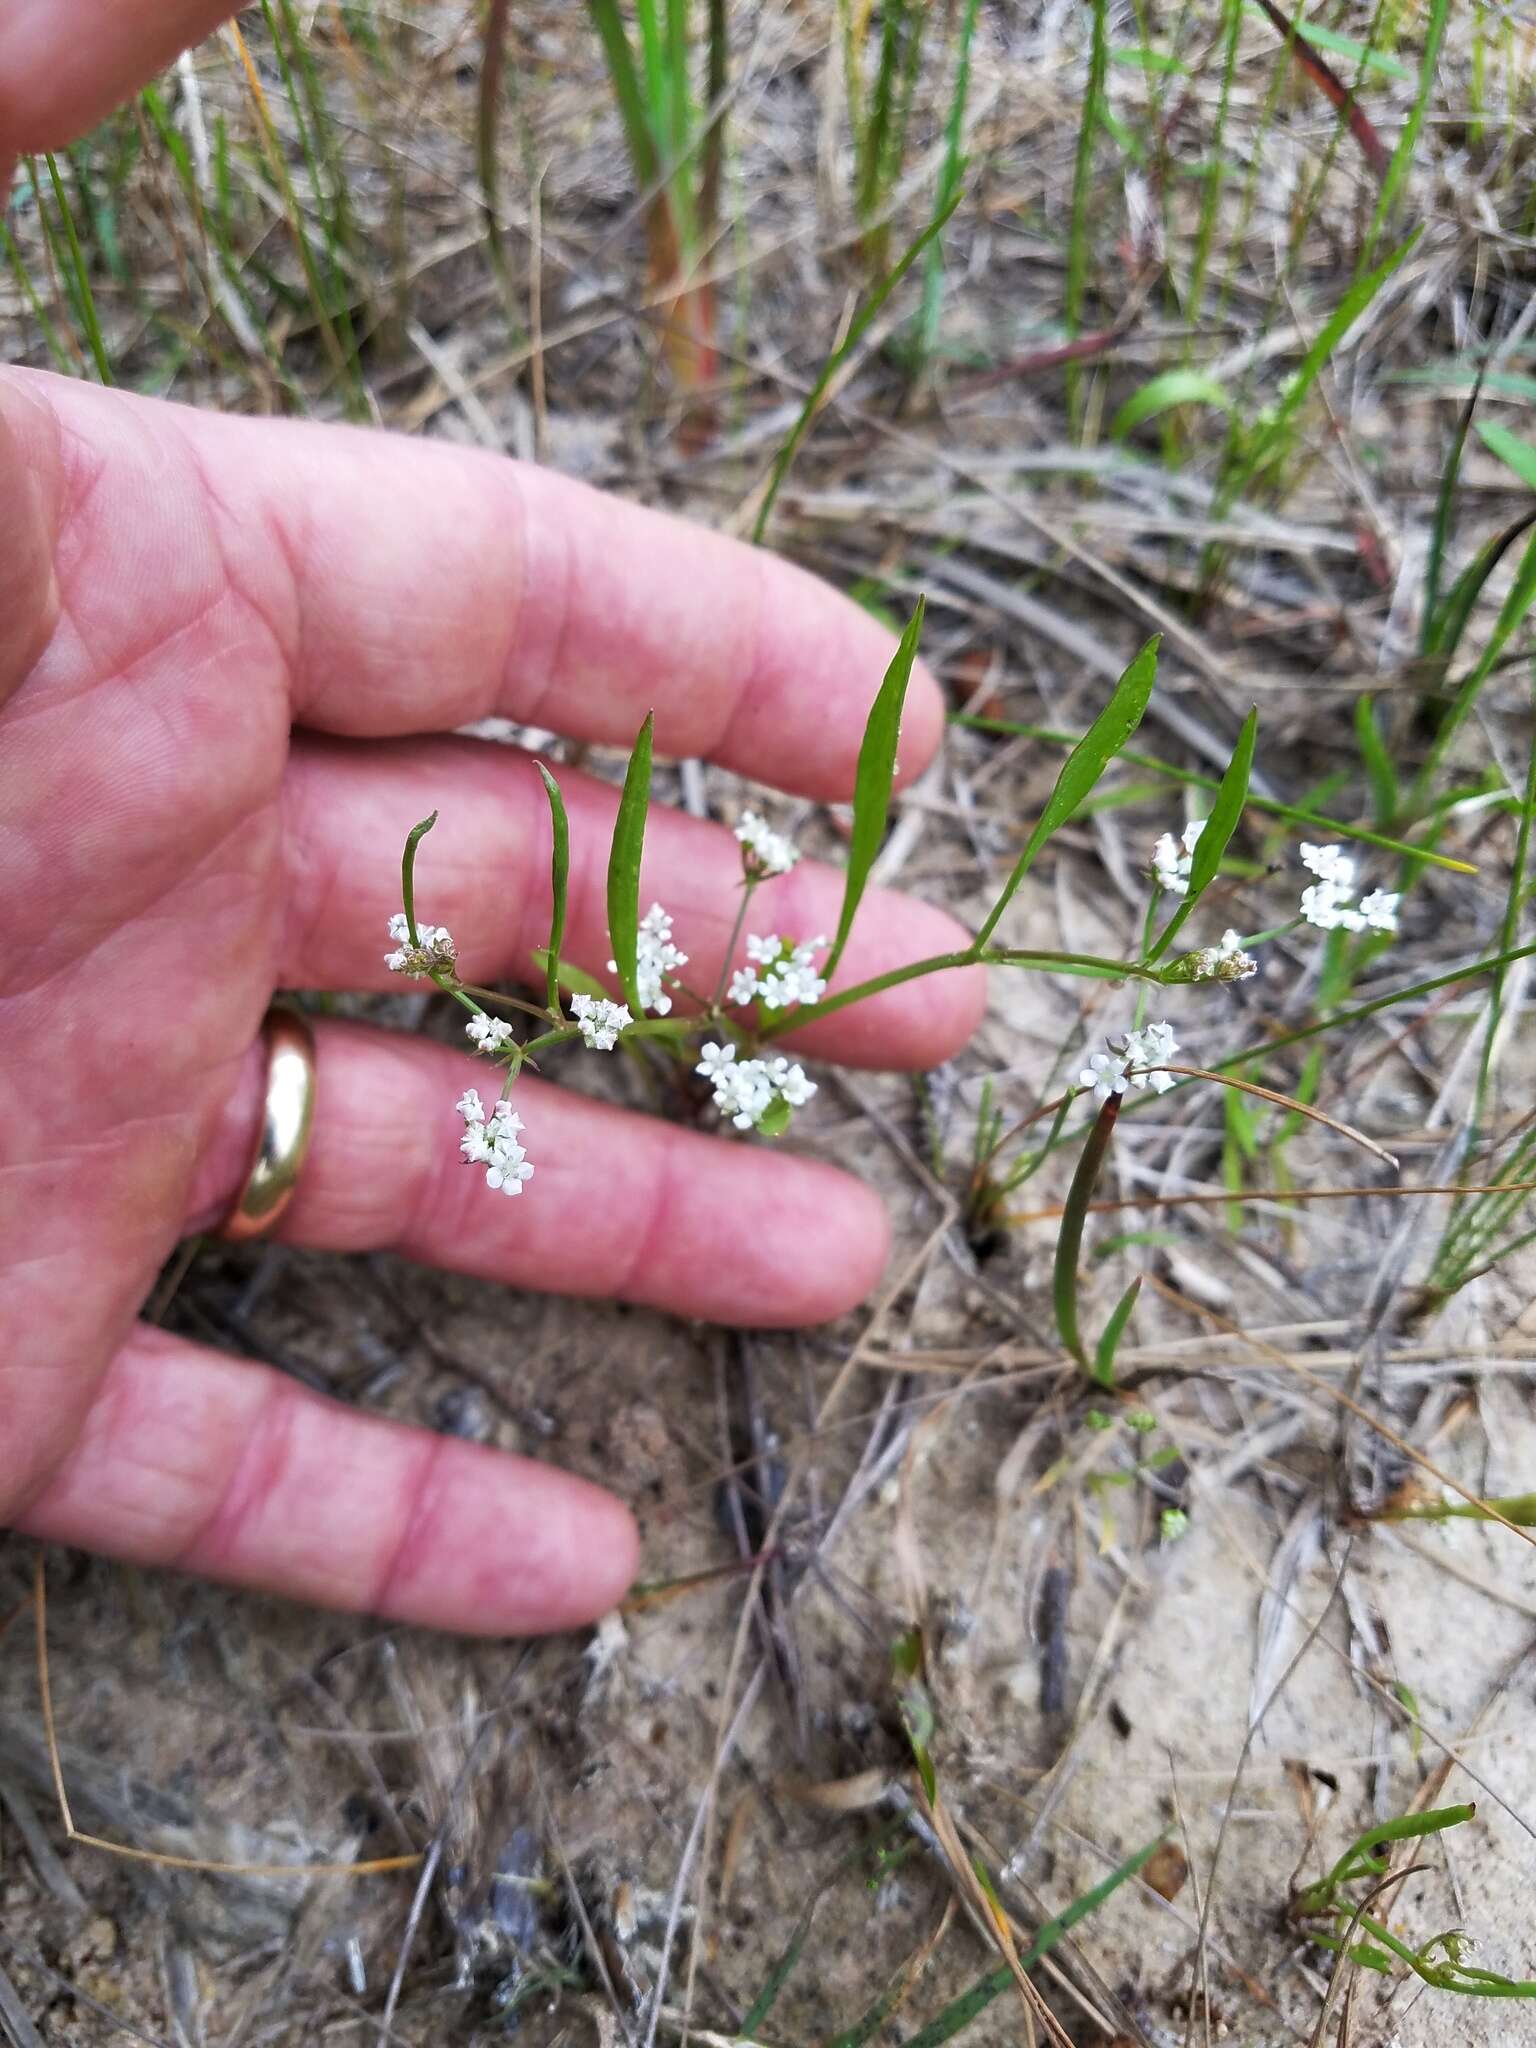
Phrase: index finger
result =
(412, 586)
(66, 63)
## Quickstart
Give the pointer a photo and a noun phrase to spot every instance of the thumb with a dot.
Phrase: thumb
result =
(30, 488)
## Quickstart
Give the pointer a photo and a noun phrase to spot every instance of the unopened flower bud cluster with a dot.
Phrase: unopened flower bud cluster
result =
(433, 947)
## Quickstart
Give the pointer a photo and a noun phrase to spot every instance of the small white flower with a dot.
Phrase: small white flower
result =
(655, 957)
(791, 1083)
(1105, 1075)
(1145, 1053)
(743, 988)
(764, 851)
(1379, 910)
(1172, 858)
(714, 1059)
(789, 971)
(435, 948)
(490, 1034)
(508, 1174)
(470, 1106)
(600, 1021)
(1324, 906)
(1329, 864)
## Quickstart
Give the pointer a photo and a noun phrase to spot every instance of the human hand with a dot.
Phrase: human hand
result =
(230, 652)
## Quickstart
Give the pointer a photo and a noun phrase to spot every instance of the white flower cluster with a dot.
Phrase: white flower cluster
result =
(764, 851)
(655, 956)
(487, 1034)
(745, 1090)
(491, 1142)
(599, 1021)
(1172, 858)
(1226, 962)
(434, 950)
(1327, 902)
(783, 973)
(1138, 1063)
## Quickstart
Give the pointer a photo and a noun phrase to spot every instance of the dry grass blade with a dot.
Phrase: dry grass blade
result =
(1289, 1102)
(304, 1871)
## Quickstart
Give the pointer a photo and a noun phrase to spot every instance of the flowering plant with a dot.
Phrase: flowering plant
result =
(772, 982)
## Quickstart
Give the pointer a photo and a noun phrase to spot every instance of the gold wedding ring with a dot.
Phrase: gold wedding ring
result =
(288, 1109)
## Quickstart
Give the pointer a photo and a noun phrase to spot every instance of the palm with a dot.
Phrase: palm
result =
(226, 650)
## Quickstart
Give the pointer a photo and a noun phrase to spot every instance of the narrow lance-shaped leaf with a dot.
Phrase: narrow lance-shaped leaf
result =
(1083, 767)
(624, 867)
(1114, 1330)
(559, 883)
(408, 873)
(1211, 846)
(872, 783)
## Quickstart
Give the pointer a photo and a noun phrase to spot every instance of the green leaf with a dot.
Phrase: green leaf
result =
(1445, 512)
(1443, 634)
(1359, 54)
(1148, 60)
(1083, 767)
(775, 1119)
(1211, 846)
(408, 873)
(872, 783)
(1173, 387)
(1114, 1330)
(559, 882)
(624, 866)
(1520, 455)
(574, 980)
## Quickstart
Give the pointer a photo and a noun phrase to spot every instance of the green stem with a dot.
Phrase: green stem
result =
(729, 954)
(972, 956)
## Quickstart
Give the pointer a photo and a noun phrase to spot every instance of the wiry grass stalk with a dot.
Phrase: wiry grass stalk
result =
(1079, 232)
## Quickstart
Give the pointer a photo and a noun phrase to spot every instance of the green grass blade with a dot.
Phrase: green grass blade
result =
(1082, 768)
(1521, 596)
(1268, 441)
(85, 303)
(1380, 768)
(949, 183)
(1210, 848)
(961, 2011)
(624, 866)
(559, 881)
(1445, 509)
(839, 356)
(1095, 105)
(1173, 387)
(1407, 142)
(627, 91)
(873, 780)
(1468, 588)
